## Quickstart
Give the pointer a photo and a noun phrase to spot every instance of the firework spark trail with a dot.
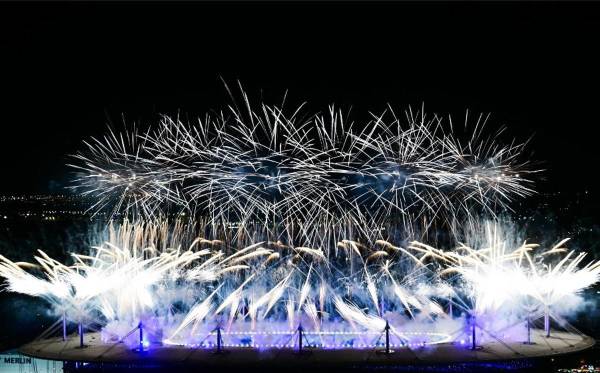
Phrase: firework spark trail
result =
(275, 166)
(144, 277)
(498, 273)
(129, 283)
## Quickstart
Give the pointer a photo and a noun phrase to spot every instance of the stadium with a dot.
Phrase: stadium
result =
(254, 237)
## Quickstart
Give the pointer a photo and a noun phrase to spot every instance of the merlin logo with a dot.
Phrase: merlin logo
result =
(17, 360)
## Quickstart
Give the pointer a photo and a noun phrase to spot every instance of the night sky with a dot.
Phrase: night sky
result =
(70, 69)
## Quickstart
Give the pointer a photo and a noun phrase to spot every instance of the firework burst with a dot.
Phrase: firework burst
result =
(142, 273)
(298, 173)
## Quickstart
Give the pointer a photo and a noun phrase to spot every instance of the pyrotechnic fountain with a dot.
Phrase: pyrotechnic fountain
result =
(293, 232)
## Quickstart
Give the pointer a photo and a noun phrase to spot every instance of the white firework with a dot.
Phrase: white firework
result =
(182, 294)
(301, 173)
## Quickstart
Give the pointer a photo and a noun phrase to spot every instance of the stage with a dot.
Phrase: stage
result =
(265, 358)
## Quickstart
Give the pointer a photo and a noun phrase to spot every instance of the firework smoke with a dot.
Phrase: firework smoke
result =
(181, 294)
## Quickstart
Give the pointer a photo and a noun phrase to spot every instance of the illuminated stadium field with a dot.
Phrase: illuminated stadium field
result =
(266, 356)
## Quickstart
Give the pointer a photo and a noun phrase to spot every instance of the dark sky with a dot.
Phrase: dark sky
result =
(68, 69)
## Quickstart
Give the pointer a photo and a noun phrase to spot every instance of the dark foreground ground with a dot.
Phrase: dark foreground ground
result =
(565, 363)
